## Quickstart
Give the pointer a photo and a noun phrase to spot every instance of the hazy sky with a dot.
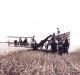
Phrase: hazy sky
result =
(40, 18)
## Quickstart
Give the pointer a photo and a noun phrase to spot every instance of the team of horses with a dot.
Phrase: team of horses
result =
(20, 43)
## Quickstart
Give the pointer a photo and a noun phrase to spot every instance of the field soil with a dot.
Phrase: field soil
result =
(29, 62)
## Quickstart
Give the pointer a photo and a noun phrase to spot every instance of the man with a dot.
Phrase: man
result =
(54, 45)
(58, 31)
(33, 43)
(60, 47)
(20, 42)
(66, 46)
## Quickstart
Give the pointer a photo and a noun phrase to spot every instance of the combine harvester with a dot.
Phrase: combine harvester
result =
(62, 45)
(59, 43)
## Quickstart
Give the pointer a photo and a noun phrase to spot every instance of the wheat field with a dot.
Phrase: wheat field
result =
(29, 62)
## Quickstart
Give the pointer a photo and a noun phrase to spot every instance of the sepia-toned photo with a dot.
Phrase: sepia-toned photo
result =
(39, 37)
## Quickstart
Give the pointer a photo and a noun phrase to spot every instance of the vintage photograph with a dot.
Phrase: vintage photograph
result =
(39, 37)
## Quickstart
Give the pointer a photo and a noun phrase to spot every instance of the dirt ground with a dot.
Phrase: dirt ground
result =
(29, 62)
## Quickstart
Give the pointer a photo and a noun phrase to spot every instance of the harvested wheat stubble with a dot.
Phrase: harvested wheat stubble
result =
(38, 63)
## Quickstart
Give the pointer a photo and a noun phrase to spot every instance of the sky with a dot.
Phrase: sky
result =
(40, 18)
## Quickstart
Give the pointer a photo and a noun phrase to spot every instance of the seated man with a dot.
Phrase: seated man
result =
(58, 31)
